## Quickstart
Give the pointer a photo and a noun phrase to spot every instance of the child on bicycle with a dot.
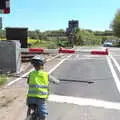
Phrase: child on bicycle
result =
(38, 82)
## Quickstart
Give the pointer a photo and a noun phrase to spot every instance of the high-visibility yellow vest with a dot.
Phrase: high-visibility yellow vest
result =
(38, 84)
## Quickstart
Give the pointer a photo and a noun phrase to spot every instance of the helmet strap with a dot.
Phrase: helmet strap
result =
(41, 67)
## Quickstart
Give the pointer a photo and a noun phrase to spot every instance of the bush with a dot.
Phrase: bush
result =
(52, 46)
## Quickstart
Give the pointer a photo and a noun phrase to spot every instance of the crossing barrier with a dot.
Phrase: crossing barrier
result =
(64, 50)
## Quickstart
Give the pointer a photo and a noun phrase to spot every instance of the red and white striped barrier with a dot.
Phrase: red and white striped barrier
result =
(93, 52)
(63, 50)
(96, 52)
(36, 50)
(32, 50)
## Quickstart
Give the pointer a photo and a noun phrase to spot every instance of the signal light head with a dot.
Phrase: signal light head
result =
(6, 10)
(4, 6)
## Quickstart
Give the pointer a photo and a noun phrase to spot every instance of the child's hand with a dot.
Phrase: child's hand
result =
(53, 79)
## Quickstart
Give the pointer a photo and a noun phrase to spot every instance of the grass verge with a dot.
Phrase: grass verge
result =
(3, 79)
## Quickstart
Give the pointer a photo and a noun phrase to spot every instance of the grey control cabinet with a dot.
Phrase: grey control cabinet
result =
(10, 56)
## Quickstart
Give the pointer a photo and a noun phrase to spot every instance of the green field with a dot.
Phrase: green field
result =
(42, 43)
(50, 44)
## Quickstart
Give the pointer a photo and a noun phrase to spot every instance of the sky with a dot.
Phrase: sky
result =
(54, 14)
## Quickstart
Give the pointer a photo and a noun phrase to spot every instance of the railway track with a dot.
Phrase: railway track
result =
(26, 57)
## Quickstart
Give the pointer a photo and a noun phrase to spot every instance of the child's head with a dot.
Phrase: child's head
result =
(38, 62)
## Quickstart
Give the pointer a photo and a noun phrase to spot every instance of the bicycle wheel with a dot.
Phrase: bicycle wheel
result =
(29, 117)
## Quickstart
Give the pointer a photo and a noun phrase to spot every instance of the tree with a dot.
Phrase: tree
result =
(31, 35)
(116, 24)
(108, 33)
(78, 37)
(86, 37)
(2, 34)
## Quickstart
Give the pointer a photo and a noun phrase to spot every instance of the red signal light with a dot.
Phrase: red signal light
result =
(6, 10)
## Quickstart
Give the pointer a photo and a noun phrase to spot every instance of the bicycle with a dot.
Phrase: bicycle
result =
(33, 112)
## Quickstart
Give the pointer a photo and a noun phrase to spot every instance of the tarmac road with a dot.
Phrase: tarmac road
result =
(94, 101)
(71, 98)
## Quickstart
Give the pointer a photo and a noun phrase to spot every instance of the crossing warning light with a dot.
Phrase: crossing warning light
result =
(4, 6)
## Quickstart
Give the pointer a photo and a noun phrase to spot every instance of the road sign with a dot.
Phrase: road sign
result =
(0, 22)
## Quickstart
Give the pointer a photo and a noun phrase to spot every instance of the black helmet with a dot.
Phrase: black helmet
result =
(38, 60)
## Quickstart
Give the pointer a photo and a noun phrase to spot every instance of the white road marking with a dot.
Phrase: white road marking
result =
(24, 75)
(84, 102)
(53, 69)
(52, 58)
(115, 76)
(90, 102)
(115, 62)
(77, 56)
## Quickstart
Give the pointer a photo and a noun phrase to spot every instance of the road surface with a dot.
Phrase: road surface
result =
(73, 98)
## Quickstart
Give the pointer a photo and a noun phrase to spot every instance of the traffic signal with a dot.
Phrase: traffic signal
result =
(4, 6)
(73, 24)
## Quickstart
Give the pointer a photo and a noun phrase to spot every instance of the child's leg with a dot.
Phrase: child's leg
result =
(43, 111)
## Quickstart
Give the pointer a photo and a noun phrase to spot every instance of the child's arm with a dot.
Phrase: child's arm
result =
(53, 79)
(28, 79)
